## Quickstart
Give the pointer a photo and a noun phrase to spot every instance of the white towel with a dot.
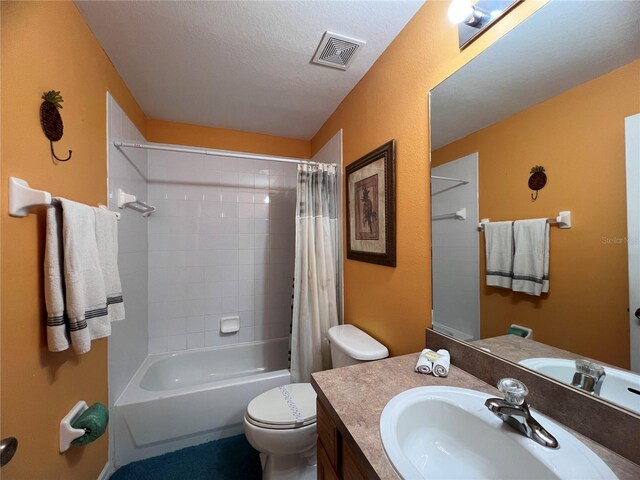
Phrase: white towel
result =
(442, 363)
(498, 237)
(531, 257)
(107, 241)
(86, 298)
(57, 321)
(424, 365)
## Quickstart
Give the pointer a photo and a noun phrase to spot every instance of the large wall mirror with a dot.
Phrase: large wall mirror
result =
(561, 91)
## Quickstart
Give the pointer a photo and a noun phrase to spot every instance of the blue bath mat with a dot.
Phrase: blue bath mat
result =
(227, 459)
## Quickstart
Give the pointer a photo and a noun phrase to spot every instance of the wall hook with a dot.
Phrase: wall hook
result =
(537, 180)
(56, 157)
(51, 121)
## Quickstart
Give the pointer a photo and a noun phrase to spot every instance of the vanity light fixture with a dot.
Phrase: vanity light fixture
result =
(474, 17)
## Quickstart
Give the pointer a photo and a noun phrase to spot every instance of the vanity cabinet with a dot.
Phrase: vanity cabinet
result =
(336, 460)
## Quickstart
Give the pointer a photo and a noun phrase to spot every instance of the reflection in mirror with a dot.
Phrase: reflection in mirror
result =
(561, 91)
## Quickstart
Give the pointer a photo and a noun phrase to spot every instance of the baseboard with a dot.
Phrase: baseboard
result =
(106, 472)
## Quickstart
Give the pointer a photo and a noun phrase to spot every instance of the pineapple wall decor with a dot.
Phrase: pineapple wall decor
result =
(537, 180)
(51, 120)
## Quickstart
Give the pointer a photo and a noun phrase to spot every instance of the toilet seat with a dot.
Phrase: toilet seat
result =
(286, 407)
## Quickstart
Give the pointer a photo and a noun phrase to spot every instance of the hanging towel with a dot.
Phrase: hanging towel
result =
(57, 321)
(107, 241)
(498, 238)
(86, 298)
(531, 257)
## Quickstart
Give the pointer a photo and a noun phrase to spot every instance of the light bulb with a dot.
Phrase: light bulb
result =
(460, 11)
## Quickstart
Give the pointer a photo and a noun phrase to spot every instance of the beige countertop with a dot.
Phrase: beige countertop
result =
(357, 395)
(515, 349)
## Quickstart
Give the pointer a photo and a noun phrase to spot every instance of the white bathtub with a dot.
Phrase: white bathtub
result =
(180, 399)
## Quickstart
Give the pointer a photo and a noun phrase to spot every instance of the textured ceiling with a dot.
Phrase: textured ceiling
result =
(241, 65)
(562, 45)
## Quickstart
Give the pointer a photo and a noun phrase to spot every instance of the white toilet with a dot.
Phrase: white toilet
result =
(281, 423)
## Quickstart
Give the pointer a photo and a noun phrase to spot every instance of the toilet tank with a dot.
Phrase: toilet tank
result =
(350, 346)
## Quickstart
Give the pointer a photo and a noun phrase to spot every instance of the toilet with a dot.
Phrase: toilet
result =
(281, 423)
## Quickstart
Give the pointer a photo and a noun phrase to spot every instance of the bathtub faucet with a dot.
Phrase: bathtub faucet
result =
(513, 410)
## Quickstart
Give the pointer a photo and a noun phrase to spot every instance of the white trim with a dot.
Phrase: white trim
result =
(106, 472)
(632, 147)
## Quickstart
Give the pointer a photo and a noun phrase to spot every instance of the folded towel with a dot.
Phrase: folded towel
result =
(57, 321)
(86, 299)
(442, 363)
(498, 237)
(107, 241)
(531, 257)
(424, 365)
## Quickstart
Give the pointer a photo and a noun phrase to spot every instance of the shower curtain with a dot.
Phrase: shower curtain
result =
(315, 293)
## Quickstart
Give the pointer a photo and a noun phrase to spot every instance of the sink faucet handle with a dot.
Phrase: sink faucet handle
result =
(589, 376)
(513, 390)
(587, 367)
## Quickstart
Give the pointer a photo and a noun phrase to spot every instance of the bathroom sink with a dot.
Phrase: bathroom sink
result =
(615, 386)
(447, 432)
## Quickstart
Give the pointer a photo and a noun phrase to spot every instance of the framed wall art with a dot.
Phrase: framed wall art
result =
(371, 212)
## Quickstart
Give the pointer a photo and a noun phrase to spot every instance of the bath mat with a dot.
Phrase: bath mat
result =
(227, 459)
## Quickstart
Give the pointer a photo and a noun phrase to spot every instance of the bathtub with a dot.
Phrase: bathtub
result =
(180, 399)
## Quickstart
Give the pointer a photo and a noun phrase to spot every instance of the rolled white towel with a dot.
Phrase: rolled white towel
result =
(441, 364)
(425, 361)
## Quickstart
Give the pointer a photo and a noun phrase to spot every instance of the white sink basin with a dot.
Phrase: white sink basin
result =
(615, 387)
(448, 433)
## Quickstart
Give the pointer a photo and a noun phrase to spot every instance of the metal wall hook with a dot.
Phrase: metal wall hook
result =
(56, 157)
(534, 198)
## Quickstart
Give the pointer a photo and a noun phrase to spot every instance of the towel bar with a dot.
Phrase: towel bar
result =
(22, 198)
(563, 220)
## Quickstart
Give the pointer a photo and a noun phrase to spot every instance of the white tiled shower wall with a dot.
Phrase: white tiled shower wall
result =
(128, 342)
(220, 244)
(455, 250)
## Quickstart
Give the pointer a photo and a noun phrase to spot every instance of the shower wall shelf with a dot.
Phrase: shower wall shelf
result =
(127, 200)
(22, 198)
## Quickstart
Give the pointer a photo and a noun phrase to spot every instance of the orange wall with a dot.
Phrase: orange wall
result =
(578, 137)
(48, 46)
(394, 304)
(208, 137)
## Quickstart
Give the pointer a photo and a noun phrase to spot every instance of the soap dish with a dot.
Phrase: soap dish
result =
(230, 324)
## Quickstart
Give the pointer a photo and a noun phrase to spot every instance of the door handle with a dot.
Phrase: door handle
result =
(8, 447)
(637, 313)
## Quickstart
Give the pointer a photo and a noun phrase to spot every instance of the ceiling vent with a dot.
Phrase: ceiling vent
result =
(337, 51)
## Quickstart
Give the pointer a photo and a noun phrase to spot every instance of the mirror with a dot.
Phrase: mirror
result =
(561, 91)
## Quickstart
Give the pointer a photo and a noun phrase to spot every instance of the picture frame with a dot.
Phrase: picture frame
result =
(371, 207)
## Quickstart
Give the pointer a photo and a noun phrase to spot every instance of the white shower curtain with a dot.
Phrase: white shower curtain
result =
(315, 295)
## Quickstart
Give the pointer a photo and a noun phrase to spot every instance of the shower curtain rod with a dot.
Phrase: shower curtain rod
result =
(215, 153)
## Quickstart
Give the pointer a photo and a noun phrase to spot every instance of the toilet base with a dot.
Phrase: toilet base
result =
(289, 467)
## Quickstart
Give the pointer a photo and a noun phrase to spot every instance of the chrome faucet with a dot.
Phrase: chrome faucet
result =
(589, 376)
(513, 410)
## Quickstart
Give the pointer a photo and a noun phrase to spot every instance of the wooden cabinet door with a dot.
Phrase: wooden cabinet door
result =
(325, 469)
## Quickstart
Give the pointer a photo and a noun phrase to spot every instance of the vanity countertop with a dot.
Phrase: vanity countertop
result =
(515, 349)
(356, 395)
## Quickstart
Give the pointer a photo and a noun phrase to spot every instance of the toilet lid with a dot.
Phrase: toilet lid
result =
(288, 406)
